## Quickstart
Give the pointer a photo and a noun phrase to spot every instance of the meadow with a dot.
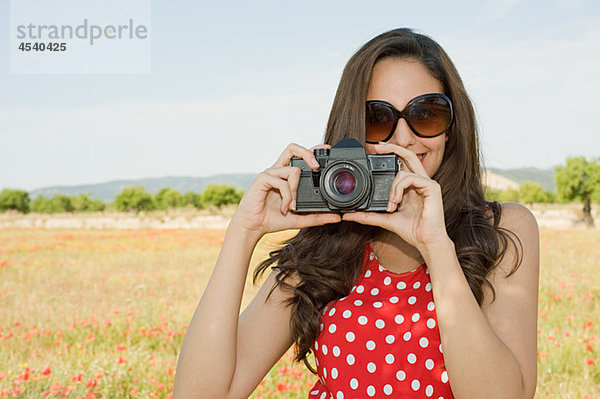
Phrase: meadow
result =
(103, 313)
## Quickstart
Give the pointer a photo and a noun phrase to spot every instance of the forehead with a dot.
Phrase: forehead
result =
(398, 80)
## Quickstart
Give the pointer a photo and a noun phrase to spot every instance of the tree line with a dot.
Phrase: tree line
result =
(130, 199)
(577, 180)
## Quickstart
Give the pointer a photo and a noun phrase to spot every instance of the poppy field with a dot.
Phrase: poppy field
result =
(103, 313)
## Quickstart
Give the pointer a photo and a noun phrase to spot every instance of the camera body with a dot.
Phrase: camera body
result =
(348, 180)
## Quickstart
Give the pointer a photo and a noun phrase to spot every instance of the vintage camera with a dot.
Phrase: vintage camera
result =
(348, 179)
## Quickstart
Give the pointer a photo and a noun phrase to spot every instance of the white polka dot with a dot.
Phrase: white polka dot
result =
(350, 336)
(387, 389)
(350, 359)
(370, 345)
(401, 285)
(441, 351)
(430, 323)
(324, 349)
(368, 273)
(374, 291)
(430, 306)
(429, 390)
(371, 367)
(427, 272)
(380, 324)
(340, 395)
(412, 358)
(372, 255)
(354, 383)
(314, 392)
(323, 395)
(353, 289)
(387, 280)
(390, 339)
(334, 373)
(317, 345)
(377, 304)
(336, 351)
(321, 326)
(423, 342)
(331, 312)
(381, 268)
(428, 287)
(412, 300)
(332, 328)
(360, 289)
(401, 375)
(317, 361)
(363, 320)
(394, 299)
(445, 377)
(389, 358)
(406, 336)
(371, 390)
(357, 302)
(415, 385)
(416, 285)
(346, 314)
(415, 317)
(399, 319)
(324, 372)
(429, 364)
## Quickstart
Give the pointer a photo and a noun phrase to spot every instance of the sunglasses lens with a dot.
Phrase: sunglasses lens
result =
(430, 116)
(379, 121)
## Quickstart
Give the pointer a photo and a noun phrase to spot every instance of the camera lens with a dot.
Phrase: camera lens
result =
(344, 183)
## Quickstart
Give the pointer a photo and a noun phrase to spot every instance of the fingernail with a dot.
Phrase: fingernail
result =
(390, 206)
(315, 163)
(293, 205)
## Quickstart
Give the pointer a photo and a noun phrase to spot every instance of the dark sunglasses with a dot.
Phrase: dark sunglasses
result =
(428, 115)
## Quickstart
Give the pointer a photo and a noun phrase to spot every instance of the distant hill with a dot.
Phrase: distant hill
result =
(543, 176)
(106, 192)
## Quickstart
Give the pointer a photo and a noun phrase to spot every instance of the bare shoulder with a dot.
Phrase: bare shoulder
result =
(513, 313)
(523, 227)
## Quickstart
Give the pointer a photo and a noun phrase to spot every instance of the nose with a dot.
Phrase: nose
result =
(403, 135)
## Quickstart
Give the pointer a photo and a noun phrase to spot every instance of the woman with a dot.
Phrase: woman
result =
(435, 298)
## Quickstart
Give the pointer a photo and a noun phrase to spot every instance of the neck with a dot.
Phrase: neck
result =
(396, 254)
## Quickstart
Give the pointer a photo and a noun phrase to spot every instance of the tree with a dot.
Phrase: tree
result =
(58, 203)
(192, 198)
(531, 192)
(168, 198)
(135, 198)
(221, 194)
(579, 180)
(83, 202)
(14, 199)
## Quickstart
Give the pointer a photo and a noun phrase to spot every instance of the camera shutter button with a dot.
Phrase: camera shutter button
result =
(321, 152)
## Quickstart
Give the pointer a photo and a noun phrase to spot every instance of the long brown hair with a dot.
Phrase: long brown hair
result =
(320, 264)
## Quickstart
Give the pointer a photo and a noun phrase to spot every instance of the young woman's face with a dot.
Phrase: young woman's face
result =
(398, 81)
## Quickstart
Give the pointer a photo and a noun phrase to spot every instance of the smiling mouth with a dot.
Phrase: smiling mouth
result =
(421, 156)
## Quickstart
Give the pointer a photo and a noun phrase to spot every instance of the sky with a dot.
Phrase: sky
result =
(231, 84)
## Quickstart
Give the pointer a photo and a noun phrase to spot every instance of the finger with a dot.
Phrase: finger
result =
(369, 218)
(270, 181)
(292, 175)
(317, 219)
(406, 180)
(411, 161)
(295, 150)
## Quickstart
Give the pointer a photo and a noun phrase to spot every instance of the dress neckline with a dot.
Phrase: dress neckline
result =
(384, 269)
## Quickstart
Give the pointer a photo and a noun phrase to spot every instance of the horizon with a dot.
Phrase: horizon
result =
(230, 85)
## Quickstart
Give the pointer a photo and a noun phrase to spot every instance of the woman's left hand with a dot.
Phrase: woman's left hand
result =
(415, 209)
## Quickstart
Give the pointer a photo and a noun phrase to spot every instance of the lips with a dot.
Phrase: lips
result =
(421, 156)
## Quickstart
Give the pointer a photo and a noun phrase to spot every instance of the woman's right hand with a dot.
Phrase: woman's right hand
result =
(265, 207)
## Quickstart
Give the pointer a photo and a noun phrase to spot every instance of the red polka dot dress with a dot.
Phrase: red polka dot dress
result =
(381, 340)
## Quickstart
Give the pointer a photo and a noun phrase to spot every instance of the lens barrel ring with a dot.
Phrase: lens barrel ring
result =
(359, 194)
